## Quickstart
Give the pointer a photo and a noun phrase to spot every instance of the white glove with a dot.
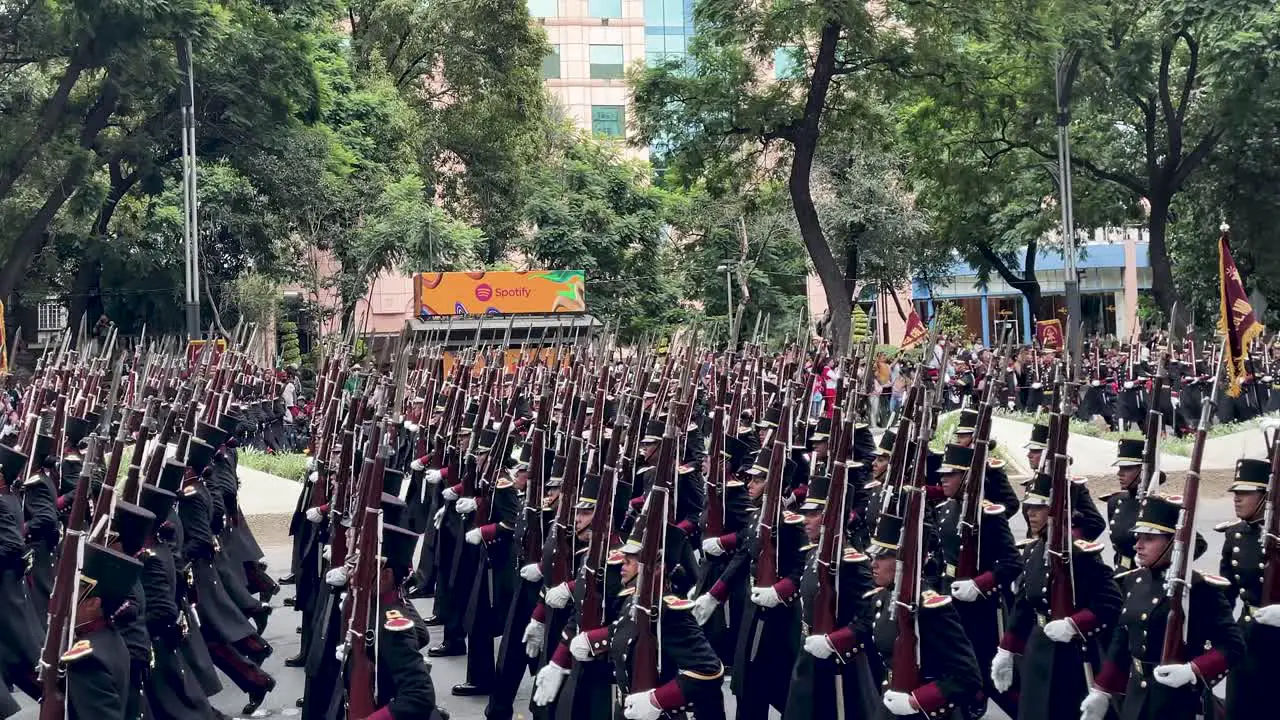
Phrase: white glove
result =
(819, 646)
(417, 465)
(765, 597)
(558, 596)
(580, 646)
(411, 426)
(534, 633)
(1267, 615)
(899, 703)
(703, 607)
(465, 506)
(314, 476)
(327, 552)
(314, 515)
(546, 684)
(640, 706)
(1095, 705)
(341, 653)
(965, 590)
(1002, 670)
(712, 546)
(433, 477)
(336, 577)
(439, 518)
(531, 572)
(311, 462)
(1060, 630)
(474, 537)
(1175, 676)
(448, 493)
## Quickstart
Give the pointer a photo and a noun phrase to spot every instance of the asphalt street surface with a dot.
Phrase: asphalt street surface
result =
(446, 672)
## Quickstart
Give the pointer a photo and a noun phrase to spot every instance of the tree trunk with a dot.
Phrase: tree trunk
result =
(50, 119)
(32, 237)
(1162, 288)
(805, 142)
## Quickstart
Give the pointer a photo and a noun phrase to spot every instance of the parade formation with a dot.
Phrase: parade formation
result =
(638, 534)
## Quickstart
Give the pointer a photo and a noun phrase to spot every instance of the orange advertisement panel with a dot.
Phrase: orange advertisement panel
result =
(500, 292)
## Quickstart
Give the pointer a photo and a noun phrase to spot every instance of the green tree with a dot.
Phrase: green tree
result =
(290, 349)
(592, 209)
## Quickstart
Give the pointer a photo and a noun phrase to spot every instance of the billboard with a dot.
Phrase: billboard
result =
(500, 292)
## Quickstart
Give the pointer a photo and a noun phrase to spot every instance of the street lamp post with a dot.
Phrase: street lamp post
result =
(1064, 77)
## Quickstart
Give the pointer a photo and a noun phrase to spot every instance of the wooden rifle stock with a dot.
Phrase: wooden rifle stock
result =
(647, 607)
(66, 589)
(591, 611)
(766, 568)
(831, 540)
(563, 525)
(365, 586)
(713, 515)
(906, 646)
(535, 488)
(1178, 577)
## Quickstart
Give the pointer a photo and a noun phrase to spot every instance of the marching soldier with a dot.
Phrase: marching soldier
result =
(40, 512)
(234, 644)
(404, 687)
(815, 690)
(1122, 505)
(1086, 521)
(979, 598)
(1243, 565)
(996, 487)
(1057, 656)
(173, 692)
(19, 643)
(97, 664)
(950, 683)
(1132, 667)
(691, 674)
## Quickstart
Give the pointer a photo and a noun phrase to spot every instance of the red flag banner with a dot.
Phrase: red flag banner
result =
(1049, 333)
(914, 333)
(1236, 320)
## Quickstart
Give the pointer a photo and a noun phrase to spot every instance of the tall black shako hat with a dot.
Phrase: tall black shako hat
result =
(158, 500)
(171, 475)
(1251, 475)
(398, 544)
(968, 422)
(956, 459)
(885, 446)
(1039, 437)
(108, 574)
(1129, 452)
(199, 455)
(887, 536)
(133, 525)
(12, 463)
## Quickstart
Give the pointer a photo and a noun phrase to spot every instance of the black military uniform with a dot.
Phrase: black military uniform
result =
(513, 661)
(721, 627)
(19, 628)
(405, 691)
(97, 663)
(691, 674)
(1243, 565)
(1053, 679)
(173, 691)
(814, 691)
(1213, 641)
(133, 525)
(999, 565)
(40, 512)
(1086, 522)
(234, 645)
(767, 637)
(1122, 507)
(951, 684)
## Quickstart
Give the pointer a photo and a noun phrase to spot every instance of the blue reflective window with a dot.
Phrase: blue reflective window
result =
(606, 62)
(544, 8)
(608, 120)
(604, 8)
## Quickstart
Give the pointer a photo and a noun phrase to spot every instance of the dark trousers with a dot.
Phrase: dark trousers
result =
(513, 662)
